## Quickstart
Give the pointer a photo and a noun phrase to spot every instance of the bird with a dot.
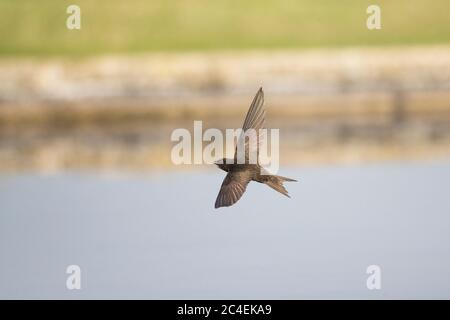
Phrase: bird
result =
(239, 175)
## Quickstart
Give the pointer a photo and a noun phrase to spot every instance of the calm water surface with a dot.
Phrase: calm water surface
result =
(159, 236)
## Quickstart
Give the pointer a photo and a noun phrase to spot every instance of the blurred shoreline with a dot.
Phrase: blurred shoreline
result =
(331, 106)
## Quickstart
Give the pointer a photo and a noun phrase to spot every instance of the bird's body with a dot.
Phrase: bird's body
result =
(239, 175)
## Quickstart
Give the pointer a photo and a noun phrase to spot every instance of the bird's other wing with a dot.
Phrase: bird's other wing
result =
(255, 119)
(232, 189)
(256, 114)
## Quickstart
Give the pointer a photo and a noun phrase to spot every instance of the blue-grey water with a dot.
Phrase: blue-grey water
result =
(158, 235)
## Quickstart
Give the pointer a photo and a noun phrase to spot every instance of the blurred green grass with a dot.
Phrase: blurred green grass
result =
(38, 28)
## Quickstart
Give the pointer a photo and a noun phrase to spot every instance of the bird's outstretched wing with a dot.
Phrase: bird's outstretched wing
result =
(255, 119)
(256, 114)
(232, 189)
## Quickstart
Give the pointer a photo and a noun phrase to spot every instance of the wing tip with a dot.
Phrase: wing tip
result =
(218, 205)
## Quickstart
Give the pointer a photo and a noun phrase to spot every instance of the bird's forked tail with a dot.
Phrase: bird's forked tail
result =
(276, 183)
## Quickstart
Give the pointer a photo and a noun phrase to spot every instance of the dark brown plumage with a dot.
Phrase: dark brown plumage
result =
(239, 175)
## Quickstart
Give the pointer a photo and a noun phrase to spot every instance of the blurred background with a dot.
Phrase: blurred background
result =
(107, 96)
(85, 123)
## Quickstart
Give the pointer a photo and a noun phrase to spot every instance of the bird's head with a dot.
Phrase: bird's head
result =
(222, 164)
